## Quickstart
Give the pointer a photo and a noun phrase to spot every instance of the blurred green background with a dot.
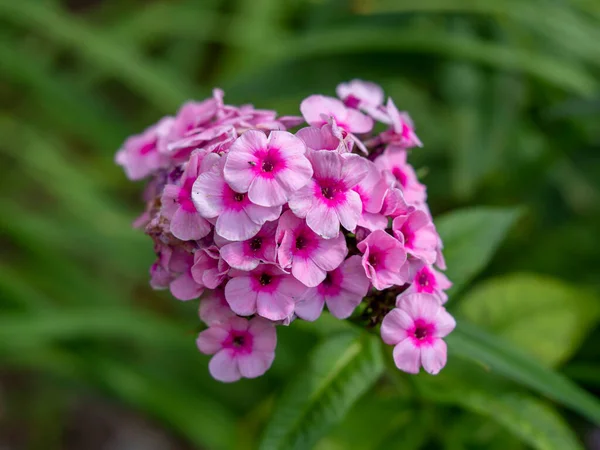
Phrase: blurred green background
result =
(506, 98)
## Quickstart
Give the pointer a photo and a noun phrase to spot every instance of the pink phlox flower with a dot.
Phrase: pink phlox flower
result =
(384, 260)
(400, 174)
(364, 95)
(402, 130)
(342, 290)
(427, 280)
(209, 268)
(248, 254)
(309, 255)
(322, 138)
(372, 190)
(192, 117)
(177, 205)
(328, 199)
(214, 308)
(237, 218)
(267, 291)
(394, 203)
(416, 328)
(242, 348)
(183, 287)
(139, 155)
(416, 232)
(317, 110)
(269, 169)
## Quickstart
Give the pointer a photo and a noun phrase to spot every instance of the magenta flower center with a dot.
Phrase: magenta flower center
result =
(331, 191)
(269, 162)
(268, 166)
(400, 176)
(239, 342)
(351, 101)
(148, 147)
(300, 242)
(332, 284)
(239, 197)
(373, 260)
(422, 332)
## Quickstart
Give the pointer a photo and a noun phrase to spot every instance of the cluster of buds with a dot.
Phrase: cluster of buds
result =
(267, 226)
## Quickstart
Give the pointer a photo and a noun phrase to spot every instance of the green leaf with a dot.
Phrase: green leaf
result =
(530, 419)
(471, 236)
(339, 372)
(470, 342)
(542, 315)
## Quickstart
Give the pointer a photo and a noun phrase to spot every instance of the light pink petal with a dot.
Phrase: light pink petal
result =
(357, 122)
(291, 287)
(423, 306)
(287, 222)
(288, 144)
(263, 334)
(373, 222)
(324, 220)
(240, 296)
(349, 211)
(310, 305)
(267, 192)
(276, 306)
(214, 308)
(236, 225)
(394, 326)
(441, 280)
(189, 226)
(302, 200)
(295, 175)
(255, 364)
(407, 357)
(285, 252)
(444, 323)
(234, 255)
(326, 164)
(238, 170)
(207, 194)
(330, 253)
(433, 357)
(224, 367)
(354, 169)
(210, 341)
(307, 272)
(185, 288)
(262, 214)
(315, 106)
(343, 305)
(355, 280)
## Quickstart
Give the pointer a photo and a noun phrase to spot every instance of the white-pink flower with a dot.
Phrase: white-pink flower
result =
(318, 110)
(139, 155)
(328, 199)
(342, 290)
(398, 173)
(176, 205)
(416, 328)
(364, 95)
(248, 254)
(269, 169)
(237, 218)
(309, 255)
(427, 280)
(267, 291)
(402, 132)
(242, 348)
(418, 235)
(384, 260)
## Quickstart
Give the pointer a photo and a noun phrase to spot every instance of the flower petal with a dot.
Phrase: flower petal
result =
(433, 357)
(407, 357)
(394, 326)
(223, 367)
(240, 296)
(210, 341)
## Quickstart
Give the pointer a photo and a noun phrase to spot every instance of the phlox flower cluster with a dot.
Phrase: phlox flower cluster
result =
(271, 219)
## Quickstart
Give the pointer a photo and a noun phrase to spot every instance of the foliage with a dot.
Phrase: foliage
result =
(505, 98)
